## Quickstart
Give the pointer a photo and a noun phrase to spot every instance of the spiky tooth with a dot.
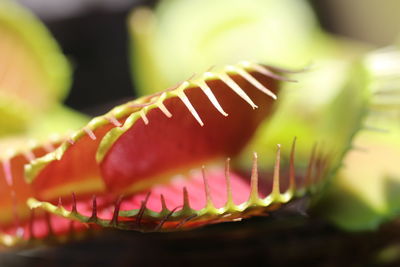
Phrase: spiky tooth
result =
(7, 172)
(144, 117)
(236, 88)
(190, 107)
(325, 164)
(93, 218)
(186, 203)
(254, 197)
(310, 168)
(252, 81)
(208, 92)
(113, 120)
(59, 203)
(90, 133)
(292, 173)
(74, 209)
(320, 167)
(163, 203)
(275, 184)
(117, 206)
(164, 109)
(261, 69)
(209, 202)
(142, 209)
(229, 198)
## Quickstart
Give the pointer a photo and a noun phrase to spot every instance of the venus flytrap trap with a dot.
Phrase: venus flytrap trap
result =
(16, 216)
(120, 172)
(35, 76)
(226, 145)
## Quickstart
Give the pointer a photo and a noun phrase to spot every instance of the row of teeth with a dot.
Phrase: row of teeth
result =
(156, 101)
(132, 218)
(201, 83)
(7, 167)
(27, 153)
(179, 92)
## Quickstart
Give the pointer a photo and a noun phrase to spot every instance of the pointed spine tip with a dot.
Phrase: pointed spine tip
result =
(254, 198)
(292, 172)
(237, 89)
(93, 218)
(248, 77)
(276, 178)
(113, 120)
(59, 203)
(229, 198)
(90, 133)
(144, 117)
(190, 107)
(117, 206)
(7, 172)
(209, 202)
(143, 207)
(74, 208)
(310, 168)
(164, 110)
(163, 203)
(208, 92)
(186, 203)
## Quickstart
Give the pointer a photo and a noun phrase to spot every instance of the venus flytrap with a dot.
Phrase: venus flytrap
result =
(158, 163)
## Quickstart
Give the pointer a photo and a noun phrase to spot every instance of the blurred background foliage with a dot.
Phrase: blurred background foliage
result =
(92, 33)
